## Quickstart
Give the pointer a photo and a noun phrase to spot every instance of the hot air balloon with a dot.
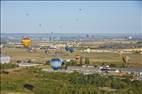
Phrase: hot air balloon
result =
(80, 9)
(46, 51)
(55, 63)
(40, 25)
(67, 48)
(26, 42)
(70, 49)
(125, 59)
(27, 14)
(77, 57)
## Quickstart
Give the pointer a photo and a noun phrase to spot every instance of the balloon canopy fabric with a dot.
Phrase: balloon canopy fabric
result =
(55, 63)
(70, 49)
(26, 42)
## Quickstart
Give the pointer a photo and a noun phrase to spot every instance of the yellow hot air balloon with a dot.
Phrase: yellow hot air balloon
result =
(26, 42)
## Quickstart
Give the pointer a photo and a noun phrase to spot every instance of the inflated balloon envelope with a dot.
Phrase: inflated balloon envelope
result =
(26, 42)
(56, 63)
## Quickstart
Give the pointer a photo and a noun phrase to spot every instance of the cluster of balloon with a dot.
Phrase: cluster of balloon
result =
(56, 63)
(80, 10)
(70, 49)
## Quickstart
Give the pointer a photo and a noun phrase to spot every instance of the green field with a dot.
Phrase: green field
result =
(62, 83)
(95, 58)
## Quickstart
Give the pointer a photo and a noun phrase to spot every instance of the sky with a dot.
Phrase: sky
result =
(71, 16)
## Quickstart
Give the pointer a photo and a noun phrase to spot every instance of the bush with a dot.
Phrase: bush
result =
(7, 66)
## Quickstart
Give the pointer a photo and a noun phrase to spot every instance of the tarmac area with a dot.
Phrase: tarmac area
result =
(92, 70)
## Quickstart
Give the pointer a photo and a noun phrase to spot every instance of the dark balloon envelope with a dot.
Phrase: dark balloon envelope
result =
(55, 63)
(70, 49)
(67, 48)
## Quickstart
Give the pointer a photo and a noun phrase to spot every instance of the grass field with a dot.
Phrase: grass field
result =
(60, 83)
(95, 58)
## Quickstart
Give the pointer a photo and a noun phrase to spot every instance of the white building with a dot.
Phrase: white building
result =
(1, 45)
(5, 59)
